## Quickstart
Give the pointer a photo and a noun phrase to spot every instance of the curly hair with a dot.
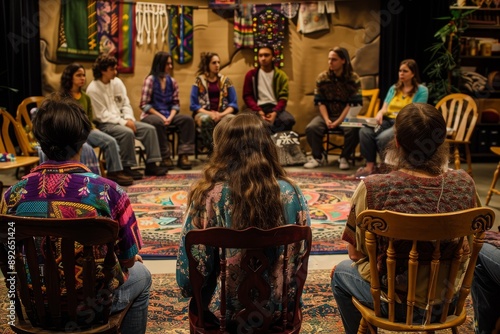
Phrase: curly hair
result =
(419, 139)
(204, 65)
(244, 158)
(67, 78)
(61, 127)
(102, 63)
(415, 81)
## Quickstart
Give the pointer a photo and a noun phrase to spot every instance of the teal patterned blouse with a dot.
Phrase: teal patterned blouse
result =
(217, 213)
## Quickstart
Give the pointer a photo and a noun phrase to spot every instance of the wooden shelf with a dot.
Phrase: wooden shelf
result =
(479, 57)
(484, 26)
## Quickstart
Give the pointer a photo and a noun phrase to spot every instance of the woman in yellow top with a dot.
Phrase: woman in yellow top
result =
(407, 90)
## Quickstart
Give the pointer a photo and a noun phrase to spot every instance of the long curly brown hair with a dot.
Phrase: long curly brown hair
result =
(244, 158)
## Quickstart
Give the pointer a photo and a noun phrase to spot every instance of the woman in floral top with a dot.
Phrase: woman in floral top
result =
(243, 185)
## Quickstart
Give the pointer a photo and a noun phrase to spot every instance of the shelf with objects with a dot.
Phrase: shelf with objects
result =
(479, 62)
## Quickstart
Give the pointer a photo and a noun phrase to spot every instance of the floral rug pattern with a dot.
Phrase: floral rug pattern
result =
(168, 309)
(160, 202)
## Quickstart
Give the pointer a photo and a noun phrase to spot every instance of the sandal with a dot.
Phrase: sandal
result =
(362, 172)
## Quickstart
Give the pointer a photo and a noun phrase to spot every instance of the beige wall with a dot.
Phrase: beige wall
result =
(354, 26)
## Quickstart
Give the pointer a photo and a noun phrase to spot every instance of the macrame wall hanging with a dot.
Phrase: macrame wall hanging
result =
(152, 22)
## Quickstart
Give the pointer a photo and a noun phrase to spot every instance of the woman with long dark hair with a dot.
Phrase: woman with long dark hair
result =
(337, 89)
(160, 107)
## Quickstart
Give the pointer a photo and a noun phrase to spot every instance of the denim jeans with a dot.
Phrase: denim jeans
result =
(485, 289)
(347, 282)
(136, 291)
(111, 149)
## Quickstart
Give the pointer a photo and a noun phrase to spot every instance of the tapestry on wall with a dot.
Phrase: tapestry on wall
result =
(78, 30)
(269, 27)
(243, 27)
(310, 19)
(115, 31)
(180, 35)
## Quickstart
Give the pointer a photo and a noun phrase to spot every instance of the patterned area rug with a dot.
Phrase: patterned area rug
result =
(160, 202)
(168, 310)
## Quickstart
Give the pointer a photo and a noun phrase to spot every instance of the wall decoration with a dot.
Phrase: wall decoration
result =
(77, 30)
(180, 35)
(310, 20)
(243, 27)
(115, 31)
(126, 38)
(269, 27)
(151, 22)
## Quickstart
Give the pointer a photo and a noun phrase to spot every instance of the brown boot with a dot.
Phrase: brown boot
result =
(121, 178)
(167, 162)
(183, 162)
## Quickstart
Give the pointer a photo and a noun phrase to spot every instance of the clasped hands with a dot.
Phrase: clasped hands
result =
(269, 117)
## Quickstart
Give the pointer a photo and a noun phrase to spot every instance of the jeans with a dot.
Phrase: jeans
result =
(485, 289)
(371, 142)
(347, 282)
(125, 137)
(111, 149)
(184, 123)
(136, 291)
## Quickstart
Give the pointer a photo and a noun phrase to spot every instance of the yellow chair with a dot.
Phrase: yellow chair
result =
(374, 101)
(414, 233)
(6, 146)
(496, 150)
(460, 114)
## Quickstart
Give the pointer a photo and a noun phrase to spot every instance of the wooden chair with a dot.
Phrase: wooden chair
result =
(6, 146)
(421, 231)
(332, 142)
(23, 114)
(460, 113)
(493, 190)
(40, 306)
(295, 244)
(374, 101)
(24, 120)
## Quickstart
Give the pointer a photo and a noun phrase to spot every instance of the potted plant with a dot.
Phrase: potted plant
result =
(443, 69)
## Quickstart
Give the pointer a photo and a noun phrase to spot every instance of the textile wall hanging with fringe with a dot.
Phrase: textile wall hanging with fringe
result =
(78, 30)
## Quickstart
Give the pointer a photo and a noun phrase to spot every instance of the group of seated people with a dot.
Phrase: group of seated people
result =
(213, 97)
(243, 183)
(239, 174)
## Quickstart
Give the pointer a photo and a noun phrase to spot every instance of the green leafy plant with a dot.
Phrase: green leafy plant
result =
(443, 69)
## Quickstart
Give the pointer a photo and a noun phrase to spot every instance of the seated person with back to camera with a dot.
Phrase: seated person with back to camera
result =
(61, 127)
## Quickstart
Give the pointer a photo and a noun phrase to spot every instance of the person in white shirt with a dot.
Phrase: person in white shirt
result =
(114, 115)
(265, 92)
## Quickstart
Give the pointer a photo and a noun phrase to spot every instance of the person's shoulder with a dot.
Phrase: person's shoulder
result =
(285, 185)
(92, 86)
(422, 88)
(460, 174)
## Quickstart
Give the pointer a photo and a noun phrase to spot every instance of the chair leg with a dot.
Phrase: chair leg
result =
(493, 184)
(468, 158)
(454, 330)
(362, 326)
(456, 154)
